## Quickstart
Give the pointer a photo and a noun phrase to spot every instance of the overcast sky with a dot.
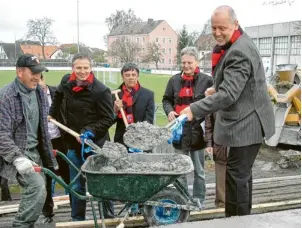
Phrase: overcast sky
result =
(193, 13)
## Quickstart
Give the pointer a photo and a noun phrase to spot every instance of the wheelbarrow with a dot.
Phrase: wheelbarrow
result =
(162, 203)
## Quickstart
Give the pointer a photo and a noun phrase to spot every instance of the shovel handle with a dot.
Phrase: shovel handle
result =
(73, 133)
(122, 111)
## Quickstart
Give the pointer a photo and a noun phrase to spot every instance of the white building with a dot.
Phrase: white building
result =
(277, 43)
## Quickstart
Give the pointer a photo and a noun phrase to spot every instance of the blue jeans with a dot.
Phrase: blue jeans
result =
(78, 207)
(199, 185)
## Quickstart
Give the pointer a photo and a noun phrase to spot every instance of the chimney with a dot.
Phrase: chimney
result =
(150, 21)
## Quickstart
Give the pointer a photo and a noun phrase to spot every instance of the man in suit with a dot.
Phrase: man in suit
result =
(240, 98)
(58, 143)
(137, 101)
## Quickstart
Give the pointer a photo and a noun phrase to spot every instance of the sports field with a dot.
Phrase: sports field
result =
(156, 83)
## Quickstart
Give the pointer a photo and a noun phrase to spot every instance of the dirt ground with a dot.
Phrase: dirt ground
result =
(265, 166)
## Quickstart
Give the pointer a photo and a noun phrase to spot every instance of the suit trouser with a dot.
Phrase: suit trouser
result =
(199, 185)
(220, 170)
(33, 196)
(239, 179)
(59, 145)
(5, 193)
(220, 157)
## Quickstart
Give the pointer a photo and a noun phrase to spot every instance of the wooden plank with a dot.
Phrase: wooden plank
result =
(109, 222)
(194, 215)
(14, 208)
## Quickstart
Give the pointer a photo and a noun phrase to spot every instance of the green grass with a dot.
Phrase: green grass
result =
(156, 83)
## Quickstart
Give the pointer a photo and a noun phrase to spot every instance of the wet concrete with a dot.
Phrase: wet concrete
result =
(288, 219)
(113, 150)
(145, 136)
(142, 163)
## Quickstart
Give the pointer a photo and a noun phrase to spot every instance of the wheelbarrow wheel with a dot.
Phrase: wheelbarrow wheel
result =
(156, 216)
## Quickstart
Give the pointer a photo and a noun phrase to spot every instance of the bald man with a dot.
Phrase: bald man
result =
(244, 110)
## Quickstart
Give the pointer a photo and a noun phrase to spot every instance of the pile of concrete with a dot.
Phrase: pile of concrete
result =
(145, 136)
(173, 163)
(113, 157)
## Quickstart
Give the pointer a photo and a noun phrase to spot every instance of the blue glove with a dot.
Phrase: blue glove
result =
(177, 130)
(134, 150)
(87, 135)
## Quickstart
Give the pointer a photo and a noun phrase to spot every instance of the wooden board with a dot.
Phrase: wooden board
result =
(194, 216)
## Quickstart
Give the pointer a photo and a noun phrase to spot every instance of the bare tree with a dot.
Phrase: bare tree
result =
(40, 29)
(206, 42)
(297, 27)
(277, 2)
(124, 49)
(120, 17)
(154, 54)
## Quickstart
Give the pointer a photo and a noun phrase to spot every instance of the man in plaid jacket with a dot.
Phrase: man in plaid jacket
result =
(24, 138)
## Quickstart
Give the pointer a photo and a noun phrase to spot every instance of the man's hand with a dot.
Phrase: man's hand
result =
(209, 150)
(187, 111)
(118, 104)
(210, 91)
(24, 165)
(172, 116)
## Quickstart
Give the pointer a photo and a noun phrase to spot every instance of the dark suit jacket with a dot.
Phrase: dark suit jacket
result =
(244, 110)
(143, 110)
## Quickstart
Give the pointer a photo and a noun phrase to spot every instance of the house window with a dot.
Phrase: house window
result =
(281, 45)
(170, 51)
(295, 45)
(265, 45)
(170, 40)
(143, 49)
(164, 40)
(255, 41)
(137, 39)
(143, 39)
(162, 60)
(164, 50)
(170, 61)
(156, 40)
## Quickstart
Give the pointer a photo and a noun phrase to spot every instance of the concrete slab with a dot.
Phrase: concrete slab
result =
(281, 219)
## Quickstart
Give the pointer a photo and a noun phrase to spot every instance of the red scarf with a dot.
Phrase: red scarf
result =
(128, 102)
(80, 85)
(219, 51)
(185, 96)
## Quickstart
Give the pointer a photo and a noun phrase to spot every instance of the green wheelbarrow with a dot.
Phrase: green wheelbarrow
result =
(164, 199)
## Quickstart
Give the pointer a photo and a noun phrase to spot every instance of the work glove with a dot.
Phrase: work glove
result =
(87, 135)
(24, 165)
